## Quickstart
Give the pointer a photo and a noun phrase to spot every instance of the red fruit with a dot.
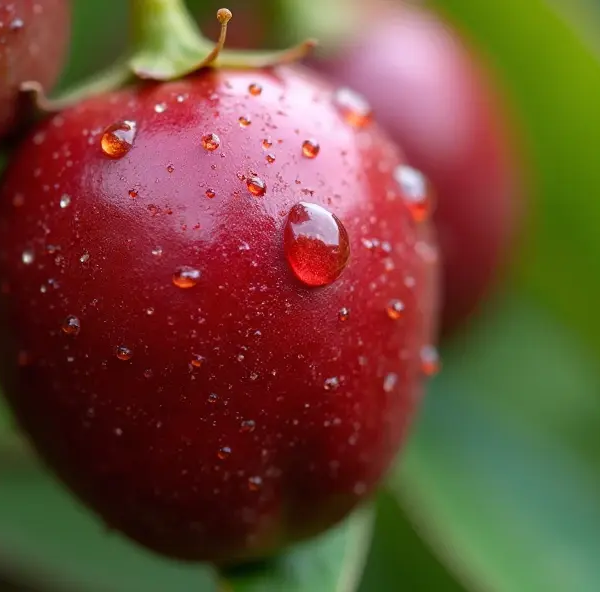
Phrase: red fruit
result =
(34, 36)
(175, 369)
(435, 100)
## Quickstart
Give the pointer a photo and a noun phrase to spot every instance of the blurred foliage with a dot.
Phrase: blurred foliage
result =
(500, 488)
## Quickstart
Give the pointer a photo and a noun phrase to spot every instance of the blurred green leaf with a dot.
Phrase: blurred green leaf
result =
(496, 476)
(332, 562)
(553, 73)
(399, 559)
(49, 541)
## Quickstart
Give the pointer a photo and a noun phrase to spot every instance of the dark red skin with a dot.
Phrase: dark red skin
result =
(34, 36)
(434, 98)
(143, 452)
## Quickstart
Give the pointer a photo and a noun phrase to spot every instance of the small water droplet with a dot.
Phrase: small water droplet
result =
(149, 311)
(310, 148)
(186, 277)
(210, 193)
(16, 24)
(353, 107)
(160, 107)
(170, 168)
(71, 325)
(211, 142)
(270, 158)
(331, 384)
(244, 121)
(157, 251)
(197, 361)
(395, 309)
(256, 186)
(389, 382)
(267, 143)
(118, 138)
(255, 89)
(148, 373)
(316, 244)
(213, 398)
(254, 483)
(247, 426)
(118, 432)
(133, 193)
(415, 191)
(430, 360)
(85, 257)
(65, 201)
(224, 452)
(123, 353)
(28, 256)
(344, 314)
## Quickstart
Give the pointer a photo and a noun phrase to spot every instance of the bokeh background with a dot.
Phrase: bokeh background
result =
(499, 488)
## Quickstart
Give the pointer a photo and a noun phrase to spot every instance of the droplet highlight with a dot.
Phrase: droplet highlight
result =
(117, 139)
(316, 244)
(186, 277)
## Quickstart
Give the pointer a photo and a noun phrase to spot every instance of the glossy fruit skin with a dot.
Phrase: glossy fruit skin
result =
(223, 436)
(34, 36)
(435, 99)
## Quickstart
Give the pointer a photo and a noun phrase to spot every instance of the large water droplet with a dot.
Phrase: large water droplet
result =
(118, 138)
(316, 244)
(256, 186)
(310, 148)
(353, 107)
(415, 191)
(71, 325)
(186, 277)
(123, 353)
(211, 142)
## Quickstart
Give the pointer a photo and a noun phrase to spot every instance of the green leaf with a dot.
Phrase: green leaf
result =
(332, 562)
(495, 477)
(50, 542)
(399, 559)
(552, 70)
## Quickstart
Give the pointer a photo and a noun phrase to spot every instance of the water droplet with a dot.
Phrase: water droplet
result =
(247, 426)
(213, 398)
(270, 158)
(224, 452)
(415, 191)
(254, 483)
(244, 121)
(267, 143)
(16, 24)
(395, 309)
(353, 107)
(157, 251)
(133, 193)
(85, 257)
(186, 277)
(430, 360)
(211, 142)
(255, 89)
(344, 314)
(149, 311)
(71, 325)
(118, 138)
(310, 148)
(197, 361)
(389, 382)
(331, 384)
(170, 168)
(256, 186)
(28, 257)
(148, 373)
(316, 244)
(210, 193)
(65, 201)
(160, 107)
(123, 353)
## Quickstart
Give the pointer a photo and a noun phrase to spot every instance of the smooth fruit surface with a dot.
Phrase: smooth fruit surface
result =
(429, 92)
(34, 35)
(166, 352)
